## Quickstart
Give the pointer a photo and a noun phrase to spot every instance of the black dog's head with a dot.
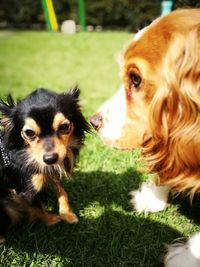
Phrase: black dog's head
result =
(48, 128)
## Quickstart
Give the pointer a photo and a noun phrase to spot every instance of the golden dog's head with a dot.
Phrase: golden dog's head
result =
(158, 106)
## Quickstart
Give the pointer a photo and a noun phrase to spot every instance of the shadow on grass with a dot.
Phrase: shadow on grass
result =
(109, 233)
(190, 209)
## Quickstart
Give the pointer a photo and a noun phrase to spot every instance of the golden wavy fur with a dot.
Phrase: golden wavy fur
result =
(173, 147)
(158, 108)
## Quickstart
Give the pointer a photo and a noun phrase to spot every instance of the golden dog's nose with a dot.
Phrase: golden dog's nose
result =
(96, 121)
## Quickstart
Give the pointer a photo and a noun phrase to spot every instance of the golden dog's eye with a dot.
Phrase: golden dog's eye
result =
(30, 134)
(64, 128)
(135, 79)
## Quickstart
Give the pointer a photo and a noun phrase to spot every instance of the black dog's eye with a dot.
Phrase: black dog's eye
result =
(30, 134)
(64, 128)
(135, 79)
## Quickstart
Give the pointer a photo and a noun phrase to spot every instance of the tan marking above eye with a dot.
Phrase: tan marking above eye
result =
(58, 120)
(31, 124)
(30, 130)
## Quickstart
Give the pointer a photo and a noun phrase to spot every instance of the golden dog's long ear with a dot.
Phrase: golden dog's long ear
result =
(173, 146)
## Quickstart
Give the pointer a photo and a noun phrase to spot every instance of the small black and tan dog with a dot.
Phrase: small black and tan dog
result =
(40, 139)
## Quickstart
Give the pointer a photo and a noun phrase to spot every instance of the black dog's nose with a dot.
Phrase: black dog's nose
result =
(50, 158)
(96, 121)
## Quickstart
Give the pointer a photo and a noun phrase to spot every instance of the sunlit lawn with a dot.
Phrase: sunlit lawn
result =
(109, 232)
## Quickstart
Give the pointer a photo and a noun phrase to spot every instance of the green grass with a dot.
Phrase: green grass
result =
(109, 232)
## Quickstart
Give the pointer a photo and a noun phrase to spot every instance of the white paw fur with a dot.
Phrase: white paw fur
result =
(184, 255)
(150, 198)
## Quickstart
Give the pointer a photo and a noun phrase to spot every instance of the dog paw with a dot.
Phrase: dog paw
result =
(184, 255)
(69, 217)
(51, 219)
(150, 198)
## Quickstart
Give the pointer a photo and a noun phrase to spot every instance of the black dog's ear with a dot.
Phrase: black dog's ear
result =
(74, 92)
(6, 108)
(69, 106)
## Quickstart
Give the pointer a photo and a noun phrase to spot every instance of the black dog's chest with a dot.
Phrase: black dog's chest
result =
(10, 176)
(14, 176)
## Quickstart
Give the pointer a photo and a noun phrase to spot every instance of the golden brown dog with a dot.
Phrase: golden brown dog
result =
(158, 106)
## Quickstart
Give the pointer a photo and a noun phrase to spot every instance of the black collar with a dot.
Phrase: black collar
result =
(4, 158)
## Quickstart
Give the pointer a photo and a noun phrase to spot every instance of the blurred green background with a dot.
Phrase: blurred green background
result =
(110, 14)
